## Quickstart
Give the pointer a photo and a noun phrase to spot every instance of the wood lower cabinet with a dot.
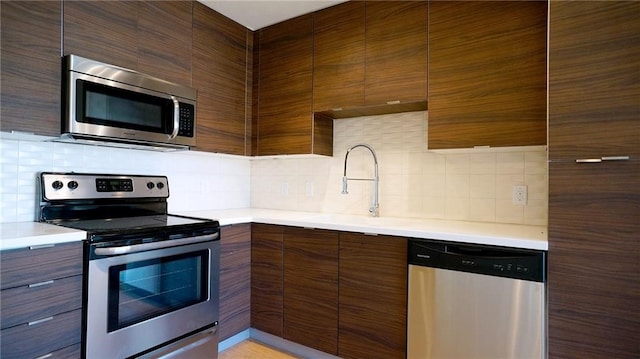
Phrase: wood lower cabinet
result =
(267, 273)
(235, 279)
(373, 296)
(311, 288)
(41, 298)
(222, 55)
(594, 252)
(487, 73)
(30, 47)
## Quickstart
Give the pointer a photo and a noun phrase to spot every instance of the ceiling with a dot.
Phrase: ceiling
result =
(256, 14)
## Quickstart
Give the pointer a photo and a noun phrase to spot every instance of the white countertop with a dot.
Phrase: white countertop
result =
(498, 234)
(25, 234)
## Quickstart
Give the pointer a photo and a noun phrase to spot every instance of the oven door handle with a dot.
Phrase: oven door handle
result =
(116, 251)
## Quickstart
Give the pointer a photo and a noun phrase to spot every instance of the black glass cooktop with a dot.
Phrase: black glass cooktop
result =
(131, 223)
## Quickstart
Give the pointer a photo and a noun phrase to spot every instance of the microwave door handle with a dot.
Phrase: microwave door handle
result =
(176, 118)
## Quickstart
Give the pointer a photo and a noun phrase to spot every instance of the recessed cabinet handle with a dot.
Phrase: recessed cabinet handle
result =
(40, 321)
(45, 356)
(601, 159)
(393, 102)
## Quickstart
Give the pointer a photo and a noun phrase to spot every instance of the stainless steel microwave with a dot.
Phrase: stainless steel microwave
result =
(104, 102)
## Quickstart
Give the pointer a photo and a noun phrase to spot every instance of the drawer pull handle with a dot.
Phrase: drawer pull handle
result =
(41, 246)
(601, 159)
(393, 102)
(40, 321)
(34, 285)
(45, 356)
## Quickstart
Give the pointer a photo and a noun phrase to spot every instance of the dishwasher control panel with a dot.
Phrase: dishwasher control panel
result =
(490, 260)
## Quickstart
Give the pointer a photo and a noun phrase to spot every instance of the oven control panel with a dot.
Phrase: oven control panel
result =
(65, 186)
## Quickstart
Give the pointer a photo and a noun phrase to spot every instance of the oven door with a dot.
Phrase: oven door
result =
(142, 300)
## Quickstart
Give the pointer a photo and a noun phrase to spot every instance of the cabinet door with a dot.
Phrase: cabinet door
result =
(487, 73)
(311, 288)
(220, 60)
(396, 52)
(285, 124)
(594, 90)
(266, 278)
(164, 40)
(235, 279)
(338, 57)
(31, 63)
(105, 31)
(373, 296)
(594, 260)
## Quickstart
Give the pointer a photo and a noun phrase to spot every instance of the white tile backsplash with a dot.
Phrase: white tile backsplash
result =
(197, 180)
(414, 182)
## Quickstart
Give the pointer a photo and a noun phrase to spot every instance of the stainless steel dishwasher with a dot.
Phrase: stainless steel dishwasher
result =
(473, 301)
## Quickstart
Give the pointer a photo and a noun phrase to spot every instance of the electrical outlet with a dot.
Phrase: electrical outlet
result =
(309, 189)
(284, 188)
(519, 195)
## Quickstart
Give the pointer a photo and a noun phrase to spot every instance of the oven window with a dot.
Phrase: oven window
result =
(143, 290)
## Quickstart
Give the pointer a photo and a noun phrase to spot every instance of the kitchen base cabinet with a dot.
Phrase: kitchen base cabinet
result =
(311, 288)
(373, 296)
(235, 279)
(266, 278)
(41, 298)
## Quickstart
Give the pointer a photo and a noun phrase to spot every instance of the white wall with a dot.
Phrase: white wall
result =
(471, 185)
(197, 180)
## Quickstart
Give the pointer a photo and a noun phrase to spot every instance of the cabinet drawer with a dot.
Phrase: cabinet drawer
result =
(70, 352)
(29, 341)
(26, 303)
(26, 266)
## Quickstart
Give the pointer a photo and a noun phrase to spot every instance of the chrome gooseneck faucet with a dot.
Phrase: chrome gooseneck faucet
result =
(375, 206)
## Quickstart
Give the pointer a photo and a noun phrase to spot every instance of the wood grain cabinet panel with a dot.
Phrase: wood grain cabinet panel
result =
(221, 49)
(267, 270)
(487, 73)
(311, 288)
(286, 124)
(338, 57)
(396, 52)
(235, 279)
(594, 253)
(30, 66)
(594, 85)
(105, 31)
(373, 296)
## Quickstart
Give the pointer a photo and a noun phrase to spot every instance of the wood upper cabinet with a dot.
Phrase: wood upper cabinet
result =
(235, 279)
(147, 36)
(594, 253)
(487, 73)
(266, 278)
(311, 288)
(286, 124)
(373, 296)
(338, 57)
(594, 90)
(222, 52)
(30, 47)
(396, 52)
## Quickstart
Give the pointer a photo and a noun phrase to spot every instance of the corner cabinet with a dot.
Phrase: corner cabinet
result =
(222, 53)
(285, 122)
(487, 73)
(594, 172)
(31, 81)
(41, 297)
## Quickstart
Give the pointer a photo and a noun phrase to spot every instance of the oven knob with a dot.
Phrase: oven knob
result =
(72, 185)
(160, 185)
(57, 185)
(150, 185)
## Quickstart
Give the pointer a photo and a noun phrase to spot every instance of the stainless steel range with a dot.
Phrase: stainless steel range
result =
(151, 279)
